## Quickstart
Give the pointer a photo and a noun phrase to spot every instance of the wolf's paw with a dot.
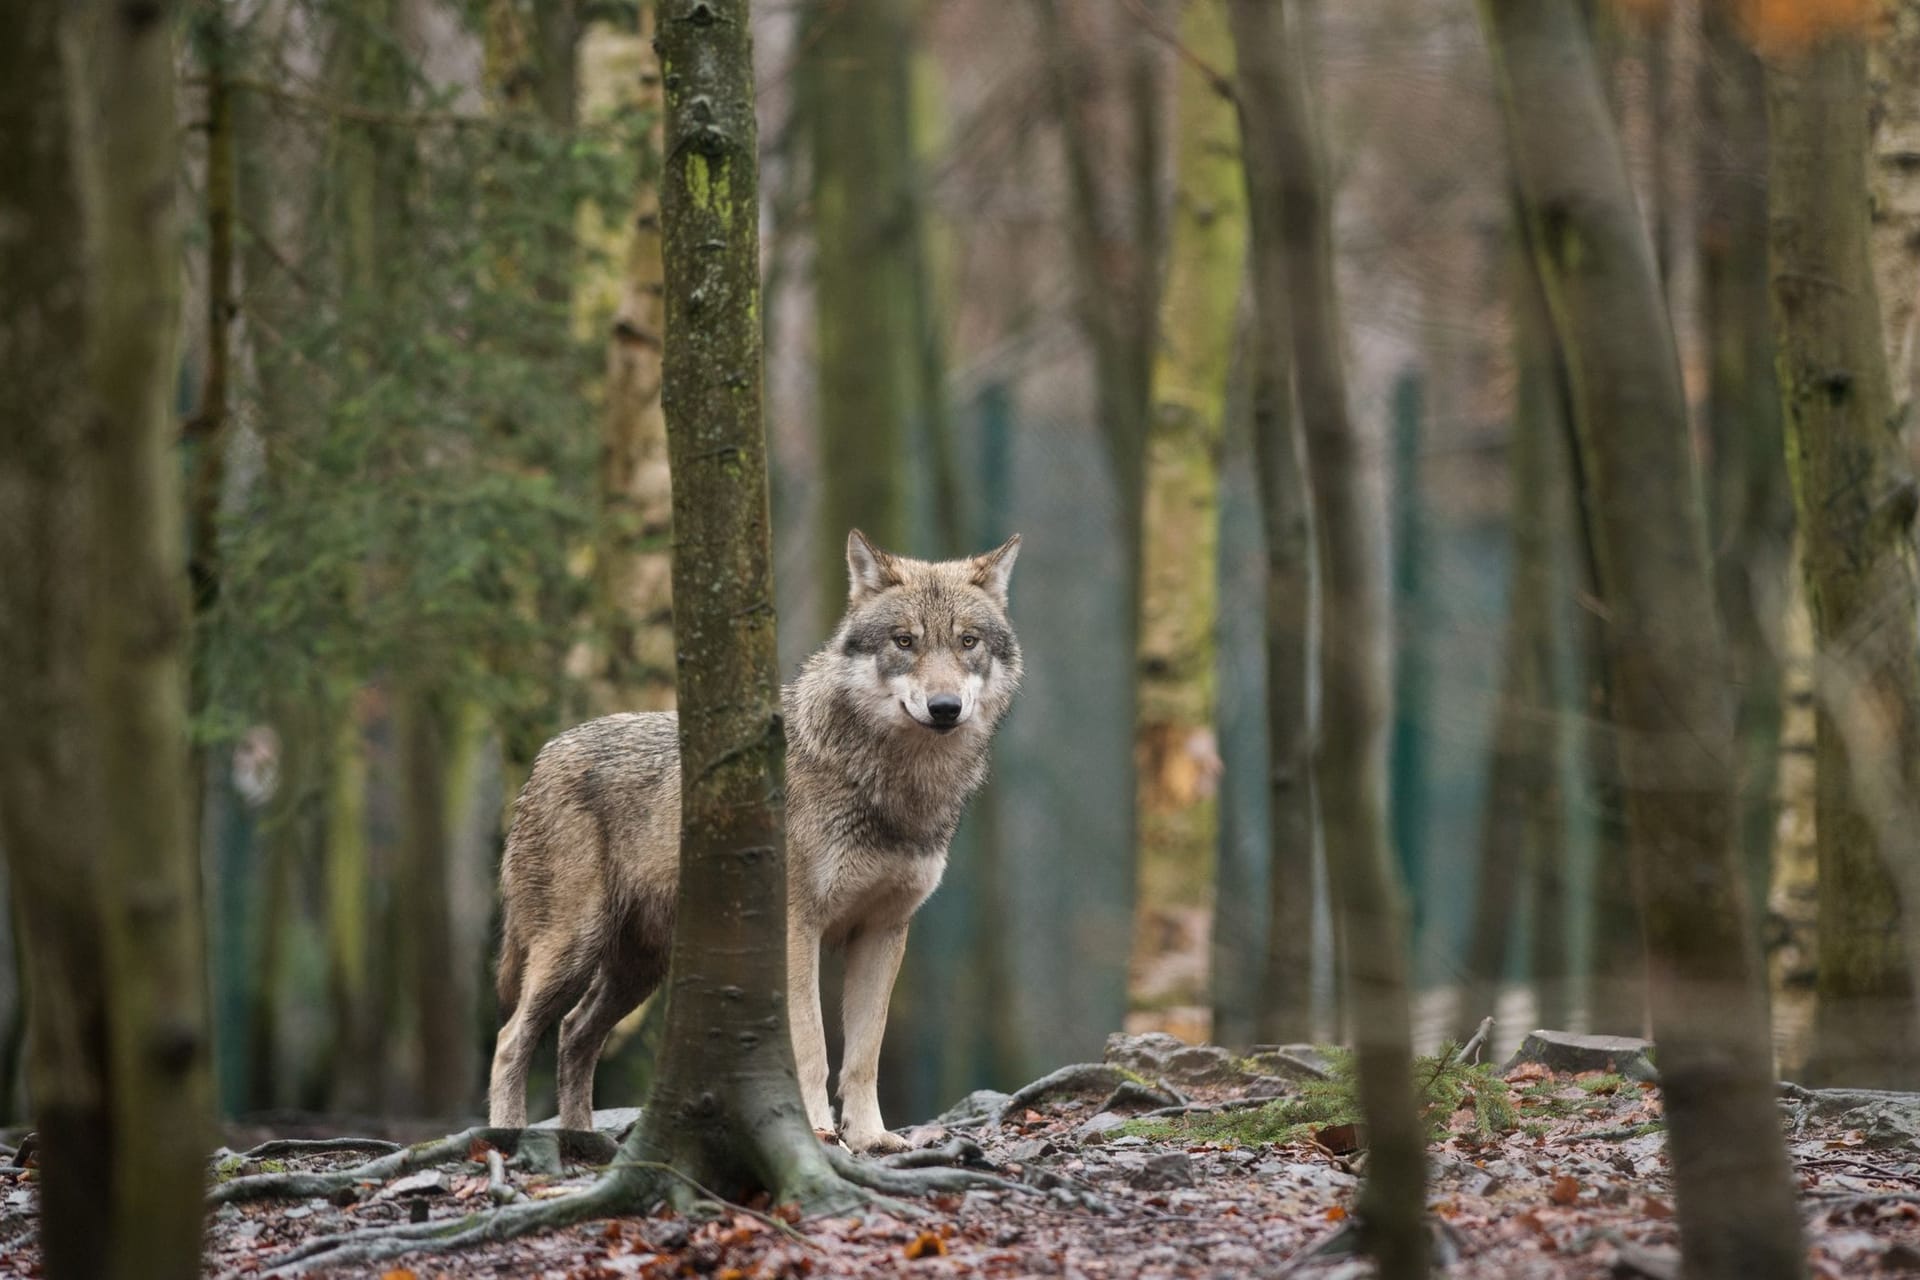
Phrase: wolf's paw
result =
(878, 1142)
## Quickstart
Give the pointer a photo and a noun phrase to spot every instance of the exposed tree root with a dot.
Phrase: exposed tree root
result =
(584, 1147)
(955, 1153)
(374, 1245)
(1081, 1077)
(319, 1147)
(1134, 1094)
(896, 1181)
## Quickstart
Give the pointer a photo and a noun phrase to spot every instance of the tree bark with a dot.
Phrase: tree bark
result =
(1894, 80)
(1175, 756)
(1753, 504)
(1664, 655)
(1286, 995)
(95, 613)
(1350, 764)
(725, 1106)
(1854, 490)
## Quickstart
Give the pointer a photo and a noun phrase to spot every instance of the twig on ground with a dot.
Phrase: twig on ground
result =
(499, 1190)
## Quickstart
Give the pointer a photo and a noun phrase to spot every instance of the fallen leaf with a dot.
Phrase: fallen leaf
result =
(398, 1273)
(1565, 1190)
(1655, 1207)
(477, 1150)
(926, 1245)
(1336, 1213)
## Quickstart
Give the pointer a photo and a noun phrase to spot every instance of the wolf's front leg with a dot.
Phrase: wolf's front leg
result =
(873, 961)
(803, 1010)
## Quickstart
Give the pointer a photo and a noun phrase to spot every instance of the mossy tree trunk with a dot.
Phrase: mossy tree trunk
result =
(1752, 502)
(93, 621)
(858, 103)
(1664, 655)
(1286, 994)
(1350, 763)
(725, 1105)
(1176, 760)
(1854, 490)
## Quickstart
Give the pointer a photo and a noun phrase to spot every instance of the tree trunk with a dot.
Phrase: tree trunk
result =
(858, 103)
(1407, 789)
(1176, 759)
(1350, 765)
(442, 1027)
(725, 1107)
(47, 765)
(1753, 506)
(1520, 829)
(1894, 80)
(636, 501)
(1664, 656)
(94, 769)
(1854, 490)
(1286, 993)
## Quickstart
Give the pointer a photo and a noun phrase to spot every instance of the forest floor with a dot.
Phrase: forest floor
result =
(1534, 1173)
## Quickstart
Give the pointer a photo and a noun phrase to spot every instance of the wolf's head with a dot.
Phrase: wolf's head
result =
(925, 645)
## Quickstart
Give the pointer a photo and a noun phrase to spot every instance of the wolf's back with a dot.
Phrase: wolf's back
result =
(586, 832)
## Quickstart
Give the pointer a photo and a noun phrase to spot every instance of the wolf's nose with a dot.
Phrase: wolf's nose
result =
(944, 708)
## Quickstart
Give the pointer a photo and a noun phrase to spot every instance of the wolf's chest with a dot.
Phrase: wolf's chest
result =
(854, 888)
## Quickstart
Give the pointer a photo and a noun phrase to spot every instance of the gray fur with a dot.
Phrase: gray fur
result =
(874, 793)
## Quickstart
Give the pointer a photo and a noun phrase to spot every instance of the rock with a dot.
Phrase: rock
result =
(1200, 1064)
(1157, 1054)
(1163, 1173)
(1098, 1127)
(429, 1182)
(1565, 1051)
(613, 1121)
(1144, 1055)
(977, 1108)
(1031, 1150)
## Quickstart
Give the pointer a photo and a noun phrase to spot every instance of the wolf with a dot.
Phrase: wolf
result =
(888, 730)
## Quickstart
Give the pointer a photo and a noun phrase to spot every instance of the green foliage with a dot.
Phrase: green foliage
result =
(418, 473)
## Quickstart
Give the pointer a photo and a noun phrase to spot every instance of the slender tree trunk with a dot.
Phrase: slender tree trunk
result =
(1753, 505)
(1523, 784)
(858, 103)
(443, 1057)
(1854, 490)
(1350, 765)
(1176, 759)
(94, 624)
(1664, 654)
(725, 1106)
(1894, 80)
(1411, 666)
(1286, 994)
(636, 502)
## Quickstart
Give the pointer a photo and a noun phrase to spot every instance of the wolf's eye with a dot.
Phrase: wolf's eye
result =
(904, 641)
(967, 642)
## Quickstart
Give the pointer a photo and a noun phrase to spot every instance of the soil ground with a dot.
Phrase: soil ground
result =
(1577, 1186)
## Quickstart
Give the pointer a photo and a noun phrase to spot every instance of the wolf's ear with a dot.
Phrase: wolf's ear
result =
(992, 570)
(869, 569)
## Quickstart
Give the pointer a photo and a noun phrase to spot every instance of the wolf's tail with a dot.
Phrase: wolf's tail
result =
(506, 978)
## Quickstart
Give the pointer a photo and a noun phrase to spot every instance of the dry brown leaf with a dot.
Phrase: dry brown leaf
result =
(926, 1245)
(1336, 1213)
(1565, 1190)
(1655, 1207)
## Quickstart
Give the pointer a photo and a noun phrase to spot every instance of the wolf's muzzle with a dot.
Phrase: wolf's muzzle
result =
(944, 710)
